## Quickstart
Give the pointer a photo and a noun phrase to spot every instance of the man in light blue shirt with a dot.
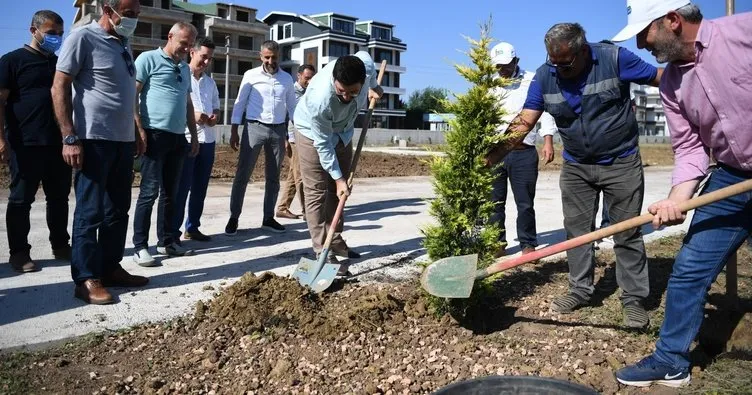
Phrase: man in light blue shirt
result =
(324, 122)
(163, 82)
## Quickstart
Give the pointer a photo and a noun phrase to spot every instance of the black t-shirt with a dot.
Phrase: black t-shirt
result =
(29, 116)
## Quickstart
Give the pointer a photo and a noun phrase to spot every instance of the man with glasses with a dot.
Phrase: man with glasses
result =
(521, 165)
(585, 87)
(197, 170)
(163, 81)
(267, 96)
(33, 149)
(96, 122)
(707, 96)
(324, 129)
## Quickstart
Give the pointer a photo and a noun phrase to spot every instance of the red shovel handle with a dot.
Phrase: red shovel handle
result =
(712, 197)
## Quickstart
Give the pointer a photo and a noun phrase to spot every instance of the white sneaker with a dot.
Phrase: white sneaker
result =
(175, 250)
(143, 258)
(608, 241)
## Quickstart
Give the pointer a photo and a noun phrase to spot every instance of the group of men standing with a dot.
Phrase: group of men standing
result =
(96, 108)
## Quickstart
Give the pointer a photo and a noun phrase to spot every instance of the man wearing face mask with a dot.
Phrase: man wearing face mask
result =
(324, 124)
(99, 140)
(197, 170)
(585, 87)
(267, 95)
(293, 183)
(163, 84)
(521, 165)
(33, 141)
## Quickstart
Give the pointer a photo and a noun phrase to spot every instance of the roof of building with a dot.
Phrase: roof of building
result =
(292, 14)
(334, 14)
(377, 23)
(205, 9)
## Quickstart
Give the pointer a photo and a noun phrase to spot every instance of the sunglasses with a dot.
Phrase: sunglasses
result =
(561, 66)
(128, 62)
(176, 69)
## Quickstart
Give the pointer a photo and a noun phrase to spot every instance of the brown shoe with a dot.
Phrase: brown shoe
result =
(528, 250)
(196, 236)
(92, 291)
(501, 252)
(120, 278)
(22, 263)
(286, 214)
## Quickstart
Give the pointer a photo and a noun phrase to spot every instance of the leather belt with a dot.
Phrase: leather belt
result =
(270, 125)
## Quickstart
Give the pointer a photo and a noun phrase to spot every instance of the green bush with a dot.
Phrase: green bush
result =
(462, 182)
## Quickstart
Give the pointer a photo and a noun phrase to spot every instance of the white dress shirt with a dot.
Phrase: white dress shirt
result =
(513, 97)
(265, 97)
(205, 98)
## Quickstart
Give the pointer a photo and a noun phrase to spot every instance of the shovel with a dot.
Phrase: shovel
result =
(317, 274)
(454, 277)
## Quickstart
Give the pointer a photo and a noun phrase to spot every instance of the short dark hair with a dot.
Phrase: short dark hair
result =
(304, 67)
(40, 17)
(349, 70)
(204, 42)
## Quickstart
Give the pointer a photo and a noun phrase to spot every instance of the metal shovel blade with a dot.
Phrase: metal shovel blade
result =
(451, 277)
(315, 274)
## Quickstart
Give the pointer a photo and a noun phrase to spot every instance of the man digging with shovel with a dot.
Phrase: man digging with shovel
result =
(324, 121)
(707, 96)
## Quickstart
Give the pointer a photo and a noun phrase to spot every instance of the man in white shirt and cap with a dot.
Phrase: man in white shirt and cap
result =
(520, 167)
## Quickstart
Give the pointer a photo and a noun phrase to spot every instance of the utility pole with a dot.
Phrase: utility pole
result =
(227, 77)
(729, 7)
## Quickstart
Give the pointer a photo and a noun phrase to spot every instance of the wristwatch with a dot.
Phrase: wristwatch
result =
(70, 139)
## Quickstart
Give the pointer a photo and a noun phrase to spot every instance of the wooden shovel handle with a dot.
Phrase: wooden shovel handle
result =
(691, 204)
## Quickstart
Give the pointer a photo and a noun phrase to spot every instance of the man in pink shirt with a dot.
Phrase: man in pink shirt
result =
(707, 96)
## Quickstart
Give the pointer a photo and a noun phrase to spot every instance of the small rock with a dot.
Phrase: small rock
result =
(373, 389)
(615, 364)
(580, 371)
(208, 288)
(393, 379)
(129, 379)
(281, 368)
(93, 375)
(415, 388)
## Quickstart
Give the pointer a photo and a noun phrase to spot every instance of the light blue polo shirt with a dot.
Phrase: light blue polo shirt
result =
(164, 95)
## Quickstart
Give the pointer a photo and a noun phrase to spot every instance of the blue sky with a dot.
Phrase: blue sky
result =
(432, 30)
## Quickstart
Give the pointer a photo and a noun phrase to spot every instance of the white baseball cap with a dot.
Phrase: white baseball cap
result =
(503, 53)
(641, 12)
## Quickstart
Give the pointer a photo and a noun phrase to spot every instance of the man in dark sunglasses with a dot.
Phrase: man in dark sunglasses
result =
(586, 88)
(166, 109)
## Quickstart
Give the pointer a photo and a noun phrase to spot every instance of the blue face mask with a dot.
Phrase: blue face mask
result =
(50, 42)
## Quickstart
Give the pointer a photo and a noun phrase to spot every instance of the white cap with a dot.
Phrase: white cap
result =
(641, 12)
(503, 53)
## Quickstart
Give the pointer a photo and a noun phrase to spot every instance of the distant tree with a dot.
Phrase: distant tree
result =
(424, 101)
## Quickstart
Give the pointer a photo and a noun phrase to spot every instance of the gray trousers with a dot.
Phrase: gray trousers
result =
(255, 137)
(623, 187)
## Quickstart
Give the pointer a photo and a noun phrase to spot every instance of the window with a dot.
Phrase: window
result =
(219, 39)
(244, 66)
(166, 4)
(245, 42)
(165, 30)
(396, 80)
(148, 3)
(222, 13)
(337, 49)
(219, 65)
(339, 25)
(271, 33)
(288, 31)
(397, 58)
(385, 80)
(381, 33)
(382, 54)
(241, 16)
(221, 90)
(143, 29)
(286, 53)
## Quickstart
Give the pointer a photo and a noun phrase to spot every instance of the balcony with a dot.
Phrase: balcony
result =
(146, 43)
(158, 14)
(396, 69)
(220, 78)
(238, 53)
(236, 26)
(394, 90)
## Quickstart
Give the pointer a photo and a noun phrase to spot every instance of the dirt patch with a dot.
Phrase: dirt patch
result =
(268, 335)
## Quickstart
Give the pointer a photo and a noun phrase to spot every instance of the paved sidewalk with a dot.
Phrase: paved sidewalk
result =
(383, 221)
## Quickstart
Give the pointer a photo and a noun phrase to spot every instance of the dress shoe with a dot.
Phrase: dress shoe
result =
(63, 253)
(22, 263)
(120, 278)
(92, 291)
(286, 214)
(502, 251)
(196, 235)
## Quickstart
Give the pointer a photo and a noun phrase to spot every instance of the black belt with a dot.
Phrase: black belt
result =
(735, 171)
(270, 125)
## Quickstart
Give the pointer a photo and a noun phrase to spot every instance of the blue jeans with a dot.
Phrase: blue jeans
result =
(103, 198)
(194, 178)
(716, 232)
(161, 167)
(521, 169)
